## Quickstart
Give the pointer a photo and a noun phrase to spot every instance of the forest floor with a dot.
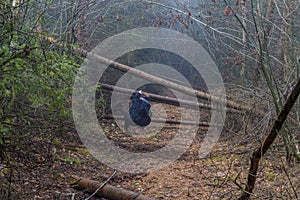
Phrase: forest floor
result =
(42, 168)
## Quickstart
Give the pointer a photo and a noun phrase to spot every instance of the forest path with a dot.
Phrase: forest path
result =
(46, 165)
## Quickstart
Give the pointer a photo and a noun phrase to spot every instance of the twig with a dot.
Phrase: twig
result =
(235, 181)
(102, 185)
(289, 179)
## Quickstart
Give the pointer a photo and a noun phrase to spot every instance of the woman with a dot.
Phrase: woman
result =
(139, 112)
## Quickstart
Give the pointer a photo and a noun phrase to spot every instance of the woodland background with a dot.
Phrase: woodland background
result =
(254, 43)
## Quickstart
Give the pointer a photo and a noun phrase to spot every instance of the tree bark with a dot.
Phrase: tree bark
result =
(108, 191)
(263, 148)
(81, 16)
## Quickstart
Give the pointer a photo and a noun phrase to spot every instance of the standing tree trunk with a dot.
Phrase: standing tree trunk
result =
(263, 148)
(81, 21)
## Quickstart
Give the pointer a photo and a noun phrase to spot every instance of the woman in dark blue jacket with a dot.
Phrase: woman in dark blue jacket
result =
(139, 112)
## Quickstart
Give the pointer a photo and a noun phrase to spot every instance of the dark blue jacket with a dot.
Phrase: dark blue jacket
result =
(140, 110)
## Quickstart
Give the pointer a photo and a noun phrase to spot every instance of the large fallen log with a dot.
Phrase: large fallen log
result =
(201, 124)
(166, 100)
(184, 89)
(107, 191)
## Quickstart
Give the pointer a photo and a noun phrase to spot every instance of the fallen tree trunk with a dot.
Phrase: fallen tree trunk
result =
(108, 191)
(184, 89)
(166, 100)
(263, 148)
(202, 124)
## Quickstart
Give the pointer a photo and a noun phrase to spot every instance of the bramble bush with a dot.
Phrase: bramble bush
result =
(36, 78)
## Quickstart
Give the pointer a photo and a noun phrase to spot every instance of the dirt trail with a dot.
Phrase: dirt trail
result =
(43, 170)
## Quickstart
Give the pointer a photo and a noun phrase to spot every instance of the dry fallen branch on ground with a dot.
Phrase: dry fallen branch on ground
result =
(102, 185)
